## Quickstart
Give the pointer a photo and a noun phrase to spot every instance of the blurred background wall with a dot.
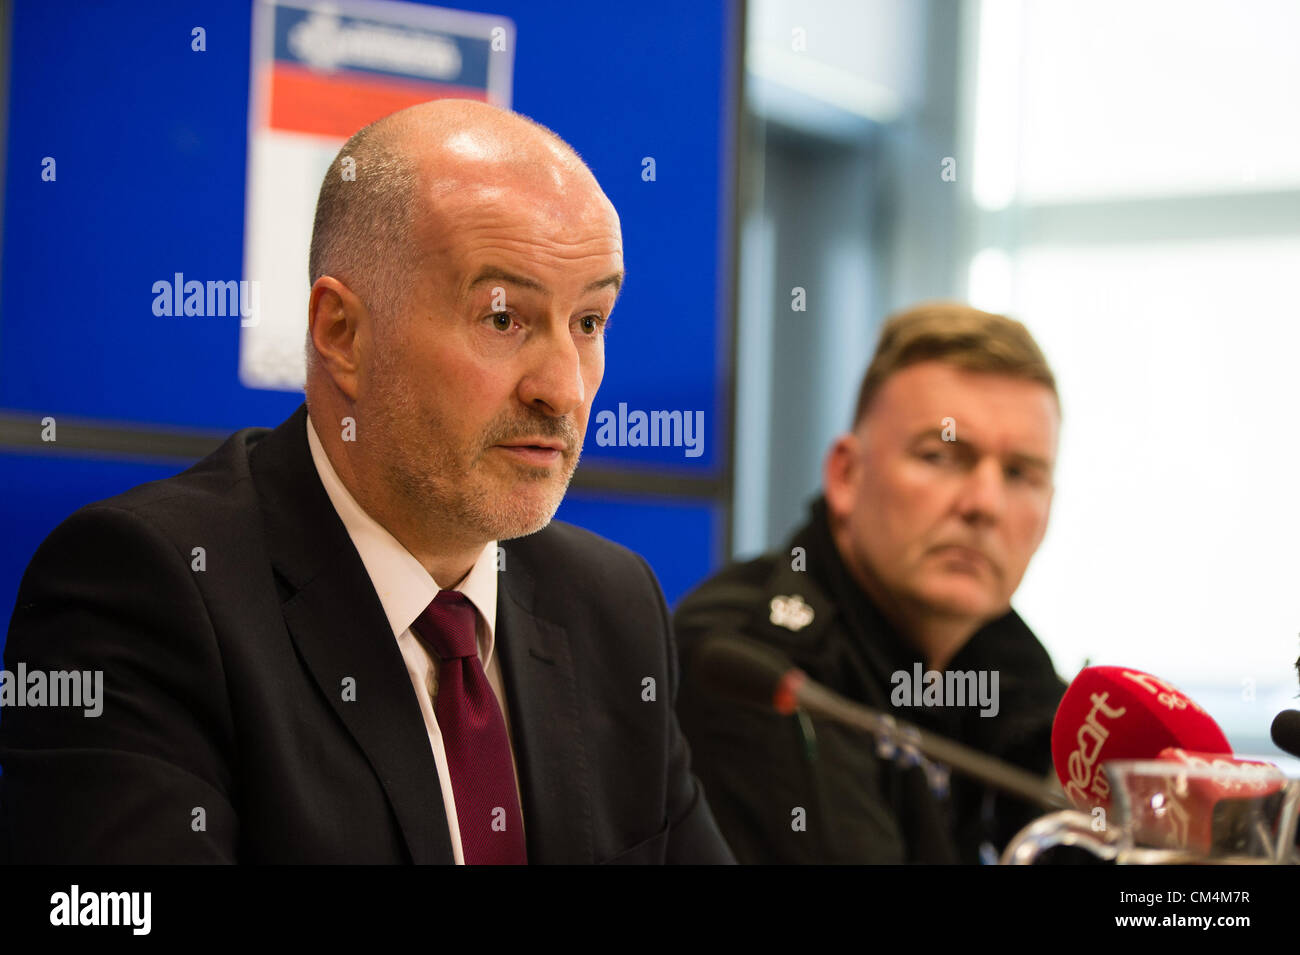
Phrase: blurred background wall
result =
(1127, 184)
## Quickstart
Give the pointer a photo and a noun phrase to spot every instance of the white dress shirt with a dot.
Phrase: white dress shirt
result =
(405, 589)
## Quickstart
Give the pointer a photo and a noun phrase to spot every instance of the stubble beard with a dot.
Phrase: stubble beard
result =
(461, 493)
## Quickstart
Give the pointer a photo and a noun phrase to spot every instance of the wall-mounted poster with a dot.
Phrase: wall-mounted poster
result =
(321, 71)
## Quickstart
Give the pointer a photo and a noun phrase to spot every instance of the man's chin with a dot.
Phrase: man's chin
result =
(522, 514)
(962, 599)
(523, 529)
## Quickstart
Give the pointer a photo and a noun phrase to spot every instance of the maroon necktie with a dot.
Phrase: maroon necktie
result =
(473, 735)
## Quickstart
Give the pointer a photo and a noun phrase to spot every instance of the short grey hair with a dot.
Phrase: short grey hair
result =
(364, 214)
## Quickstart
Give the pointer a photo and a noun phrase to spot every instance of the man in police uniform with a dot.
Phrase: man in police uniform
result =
(932, 507)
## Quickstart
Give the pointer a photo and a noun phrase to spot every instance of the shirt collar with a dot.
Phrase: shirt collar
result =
(404, 587)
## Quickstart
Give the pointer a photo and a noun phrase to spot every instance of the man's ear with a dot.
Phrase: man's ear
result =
(338, 325)
(840, 474)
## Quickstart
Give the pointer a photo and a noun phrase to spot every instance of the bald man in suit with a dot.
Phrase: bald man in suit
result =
(314, 647)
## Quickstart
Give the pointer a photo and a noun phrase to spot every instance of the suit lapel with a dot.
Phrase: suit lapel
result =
(338, 624)
(542, 696)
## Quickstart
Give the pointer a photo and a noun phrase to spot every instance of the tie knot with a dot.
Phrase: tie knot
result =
(447, 626)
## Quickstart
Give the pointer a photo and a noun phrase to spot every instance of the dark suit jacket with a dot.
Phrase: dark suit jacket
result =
(223, 688)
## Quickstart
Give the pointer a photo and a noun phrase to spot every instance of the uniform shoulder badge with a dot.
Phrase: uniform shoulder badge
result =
(790, 612)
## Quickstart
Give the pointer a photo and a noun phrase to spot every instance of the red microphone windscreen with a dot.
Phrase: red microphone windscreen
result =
(1120, 713)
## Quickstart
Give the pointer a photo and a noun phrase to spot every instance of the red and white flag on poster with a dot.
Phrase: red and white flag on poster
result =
(321, 71)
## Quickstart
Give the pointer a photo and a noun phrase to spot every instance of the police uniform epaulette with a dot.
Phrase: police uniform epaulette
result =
(794, 610)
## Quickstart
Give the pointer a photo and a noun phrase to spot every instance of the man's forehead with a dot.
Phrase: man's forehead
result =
(495, 226)
(583, 268)
(997, 410)
(483, 203)
(519, 212)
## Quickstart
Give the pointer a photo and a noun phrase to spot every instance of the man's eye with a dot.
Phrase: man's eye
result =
(502, 321)
(1032, 477)
(591, 324)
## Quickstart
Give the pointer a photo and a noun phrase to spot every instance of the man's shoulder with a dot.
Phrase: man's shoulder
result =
(770, 598)
(738, 587)
(212, 497)
(210, 481)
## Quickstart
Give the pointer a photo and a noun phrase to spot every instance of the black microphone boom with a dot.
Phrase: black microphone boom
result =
(749, 672)
(742, 670)
(1286, 731)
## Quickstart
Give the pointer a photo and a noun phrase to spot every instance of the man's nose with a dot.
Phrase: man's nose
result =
(553, 383)
(983, 492)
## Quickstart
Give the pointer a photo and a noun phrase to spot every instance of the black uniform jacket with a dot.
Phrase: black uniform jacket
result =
(224, 688)
(794, 789)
